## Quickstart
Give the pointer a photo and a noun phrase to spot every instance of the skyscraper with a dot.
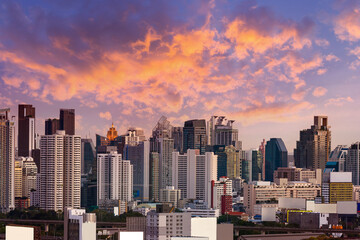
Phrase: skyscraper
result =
(177, 135)
(194, 135)
(60, 174)
(7, 159)
(262, 155)
(138, 155)
(114, 177)
(88, 155)
(51, 126)
(352, 162)
(339, 155)
(67, 121)
(26, 135)
(220, 131)
(193, 174)
(313, 149)
(275, 157)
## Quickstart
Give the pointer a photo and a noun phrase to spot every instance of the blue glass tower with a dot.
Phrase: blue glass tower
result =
(275, 156)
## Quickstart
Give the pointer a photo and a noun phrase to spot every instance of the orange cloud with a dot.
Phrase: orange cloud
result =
(105, 115)
(319, 92)
(347, 25)
(340, 101)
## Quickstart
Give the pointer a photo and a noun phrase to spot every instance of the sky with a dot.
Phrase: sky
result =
(269, 65)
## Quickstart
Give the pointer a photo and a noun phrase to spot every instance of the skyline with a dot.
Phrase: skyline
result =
(270, 66)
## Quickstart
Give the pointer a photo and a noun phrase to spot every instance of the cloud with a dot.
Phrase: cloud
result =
(322, 42)
(332, 57)
(105, 115)
(340, 101)
(279, 112)
(147, 60)
(319, 92)
(321, 71)
(347, 24)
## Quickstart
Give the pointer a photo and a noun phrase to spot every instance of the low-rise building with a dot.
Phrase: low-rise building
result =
(170, 195)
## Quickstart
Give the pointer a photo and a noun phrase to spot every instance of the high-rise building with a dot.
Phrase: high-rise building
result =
(138, 154)
(222, 158)
(352, 162)
(26, 134)
(262, 154)
(51, 126)
(7, 160)
(339, 155)
(114, 177)
(194, 135)
(220, 131)
(193, 173)
(25, 176)
(154, 190)
(60, 173)
(275, 157)
(313, 149)
(166, 147)
(88, 155)
(234, 166)
(67, 121)
(177, 135)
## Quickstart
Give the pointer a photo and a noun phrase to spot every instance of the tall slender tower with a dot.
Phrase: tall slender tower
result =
(313, 149)
(194, 135)
(26, 136)
(7, 161)
(60, 171)
(67, 121)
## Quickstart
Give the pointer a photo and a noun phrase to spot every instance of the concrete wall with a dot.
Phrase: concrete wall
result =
(347, 207)
(268, 214)
(16, 233)
(341, 177)
(225, 231)
(292, 203)
(204, 227)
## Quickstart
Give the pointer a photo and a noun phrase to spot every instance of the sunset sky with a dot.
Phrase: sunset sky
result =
(269, 65)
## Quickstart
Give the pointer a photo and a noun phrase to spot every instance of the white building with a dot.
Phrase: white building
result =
(202, 212)
(114, 177)
(193, 173)
(163, 226)
(204, 227)
(79, 225)
(170, 195)
(7, 159)
(60, 171)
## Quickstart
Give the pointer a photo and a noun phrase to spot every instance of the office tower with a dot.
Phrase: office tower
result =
(60, 174)
(219, 151)
(352, 162)
(7, 159)
(51, 126)
(194, 134)
(67, 121)
(166, 147)
(246, 167)
(134, 136)
(177, 135)
(26, 134)
(88, 155)
(25, 176)
(114, 177)
(339, 155)
(313, 149)
(162, 129)
(233, 162)
(340, 187)
(170, 195)
(220, 131)
(138, 154)
(193, 174)
(154, 176)
(262, 154)
(251, 167)
(112, 133)
(275, 157)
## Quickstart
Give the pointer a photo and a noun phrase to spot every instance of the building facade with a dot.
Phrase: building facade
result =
(275, 157)
(194, 135)
(26, 128)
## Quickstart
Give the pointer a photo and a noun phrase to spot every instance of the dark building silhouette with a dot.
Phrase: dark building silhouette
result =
(313, 149)
(67, 121)
(177, 135)
(51, 126)
(194, 135)
(26, 127)
(275, 157)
